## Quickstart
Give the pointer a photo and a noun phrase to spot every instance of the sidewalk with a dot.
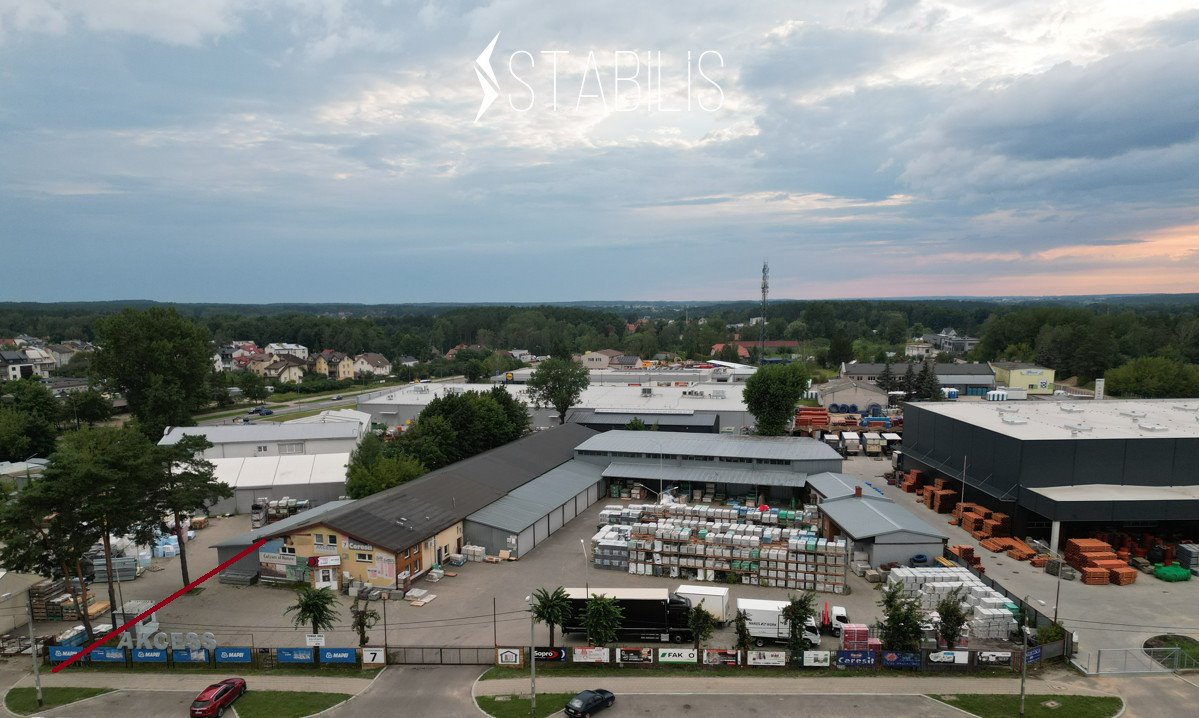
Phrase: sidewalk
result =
(195, 682)
(782, 686)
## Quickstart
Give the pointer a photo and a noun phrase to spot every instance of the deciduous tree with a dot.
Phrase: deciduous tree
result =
(772, 394)
(558, 382)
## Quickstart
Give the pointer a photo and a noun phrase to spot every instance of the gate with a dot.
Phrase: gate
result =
(442, 655)
(1108, 661)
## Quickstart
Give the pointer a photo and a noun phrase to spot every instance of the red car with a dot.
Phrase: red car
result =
(214, 699)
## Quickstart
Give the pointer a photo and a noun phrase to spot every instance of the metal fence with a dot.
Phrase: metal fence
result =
(1108, 661)
(442, 655)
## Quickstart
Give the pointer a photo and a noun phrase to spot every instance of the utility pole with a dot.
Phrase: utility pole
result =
(532, 659)
(37, 658)
(1024, 653)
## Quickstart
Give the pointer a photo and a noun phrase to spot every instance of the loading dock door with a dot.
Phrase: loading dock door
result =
(555, 519)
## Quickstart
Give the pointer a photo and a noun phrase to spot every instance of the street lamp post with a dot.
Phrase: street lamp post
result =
(532, 658)
(1023, 655)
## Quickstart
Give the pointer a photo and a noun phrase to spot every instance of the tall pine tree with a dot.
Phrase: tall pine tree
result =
(886, 378)
(909, 382)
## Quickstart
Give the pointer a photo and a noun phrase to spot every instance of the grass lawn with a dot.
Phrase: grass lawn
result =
(24, 700)
(1006, 706)
(285, 704)
(291, 415)
(667, 671)
(1187, 645)
(514, 707)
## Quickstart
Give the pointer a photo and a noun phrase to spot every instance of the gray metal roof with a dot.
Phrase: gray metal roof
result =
(701, 474)
(405, 515)
(526, 505)
(836, 486)
(784, 448)
(275, 528)
(590, 416)
(939, 368)
(248, 433)
(870, 517)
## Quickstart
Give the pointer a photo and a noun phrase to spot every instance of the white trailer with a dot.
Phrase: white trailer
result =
(874, 443)
(715, 600)
(767, 625)
(852, 442)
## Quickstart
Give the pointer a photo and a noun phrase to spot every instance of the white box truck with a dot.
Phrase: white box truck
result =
(874, 443)
(851, 442)
(715, 600)
(767, 625)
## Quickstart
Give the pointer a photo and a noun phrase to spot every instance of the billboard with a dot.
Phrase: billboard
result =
(900, 659)
(62, 653)
(943, 657)
(509, 656)
(818, 659)
(233, 655)
(550, 654)
(149, 655)
(718, 657)
(678, 655)
(339, 655)
(856, 658)
(591, 654)
(293, 655)
(994, 658)
(105, 654)
(635, 655)
(766, 658)
(187, 655)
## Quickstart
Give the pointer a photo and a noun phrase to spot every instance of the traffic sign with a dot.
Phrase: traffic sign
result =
(373, 656)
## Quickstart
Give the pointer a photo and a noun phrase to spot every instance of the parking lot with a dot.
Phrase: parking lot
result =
(1115, 616)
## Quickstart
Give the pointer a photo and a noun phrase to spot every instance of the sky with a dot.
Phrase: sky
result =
(306, 151)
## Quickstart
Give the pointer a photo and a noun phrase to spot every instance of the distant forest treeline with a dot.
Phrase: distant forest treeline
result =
(1075, 337)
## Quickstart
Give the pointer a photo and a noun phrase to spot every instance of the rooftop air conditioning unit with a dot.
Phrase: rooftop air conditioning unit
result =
(647, 391)
(718, 393)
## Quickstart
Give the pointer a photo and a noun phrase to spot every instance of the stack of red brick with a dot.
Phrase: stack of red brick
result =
(912, 481)
(982, 523)
(1015, 548)
(1098, 563)
(939, 498)
(966, 553)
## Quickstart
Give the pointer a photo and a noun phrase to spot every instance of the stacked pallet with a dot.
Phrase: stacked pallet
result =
(991, 613)
(1077, 551)
(1123, 576)
(940, 500)
(42, 597)
(1095, 576)
(1015, 548)
(913, 481)
(1188, 556)
(966, 553)
(855, 637)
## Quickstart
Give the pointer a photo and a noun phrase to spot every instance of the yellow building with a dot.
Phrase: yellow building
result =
(1019, 375)
(324, 556)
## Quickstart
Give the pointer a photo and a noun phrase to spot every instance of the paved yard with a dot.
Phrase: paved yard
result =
(1116, 616)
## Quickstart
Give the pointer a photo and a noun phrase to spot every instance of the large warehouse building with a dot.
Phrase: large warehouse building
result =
(1063, 469)
(401, 405)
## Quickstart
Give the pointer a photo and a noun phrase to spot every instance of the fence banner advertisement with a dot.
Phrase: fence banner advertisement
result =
(550, 654)
(897, 659)
(994, 658)
(105, 654)
(1032, 655)
(509, 656)
(149, 655)
(817, 659)
(189, 656)
(634, 655)
(958, 657)
(233, 655)
(62, 653)
(677, 655)
(717, 657)
(293, 655)
(339, 655)
(591, 654)
(856, 658)
(766, 658)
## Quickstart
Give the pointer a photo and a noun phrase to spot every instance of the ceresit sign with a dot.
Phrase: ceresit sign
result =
(162, 641)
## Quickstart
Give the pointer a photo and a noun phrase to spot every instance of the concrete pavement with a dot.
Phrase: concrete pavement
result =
(194, 682)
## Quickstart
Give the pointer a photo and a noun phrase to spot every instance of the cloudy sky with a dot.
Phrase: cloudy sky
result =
(299, 150)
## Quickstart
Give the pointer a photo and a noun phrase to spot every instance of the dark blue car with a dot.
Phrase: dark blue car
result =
(587, 703)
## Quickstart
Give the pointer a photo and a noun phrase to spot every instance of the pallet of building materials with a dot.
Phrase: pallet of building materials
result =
(1122, 576)
(1095, 576)
(474, 553)
(456, 559)
(1187, 555)
(492, 559)
(1173, 572)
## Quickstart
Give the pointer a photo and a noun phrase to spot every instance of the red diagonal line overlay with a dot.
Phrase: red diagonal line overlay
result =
(257, 544)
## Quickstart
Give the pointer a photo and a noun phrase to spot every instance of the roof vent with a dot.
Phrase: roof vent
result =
(1075, 428)
(1006, 409)
(1010, 419)
(1070, 408)
(1133, 414)
(1146, 426)
(1184, 407)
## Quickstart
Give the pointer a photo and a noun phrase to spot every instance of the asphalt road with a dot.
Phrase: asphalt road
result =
(415, 690)
(722, 706)
(123, 704)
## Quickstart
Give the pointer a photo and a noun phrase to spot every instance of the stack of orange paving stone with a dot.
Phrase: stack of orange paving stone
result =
(1014, 547)
(1098, 563)
(912, 481)
(966, 553)
(982, 523)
